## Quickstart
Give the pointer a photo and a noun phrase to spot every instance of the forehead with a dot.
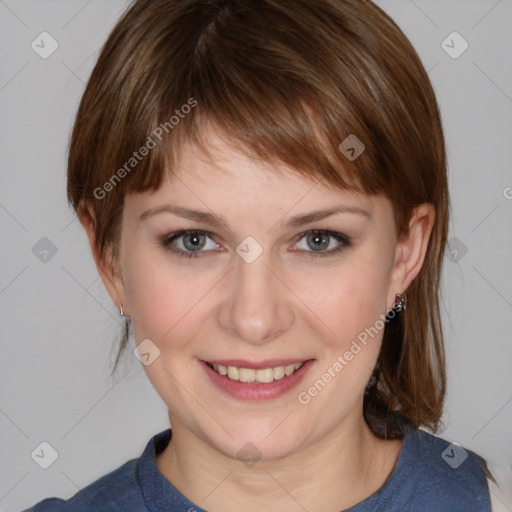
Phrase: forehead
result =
(226, 182)
(219, 158)
(219, 171)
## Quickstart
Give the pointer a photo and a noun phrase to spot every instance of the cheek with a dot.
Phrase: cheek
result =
(348, 314)
(164, 301)
(349, 299)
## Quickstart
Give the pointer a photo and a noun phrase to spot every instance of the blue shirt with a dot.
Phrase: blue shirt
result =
(430, 475)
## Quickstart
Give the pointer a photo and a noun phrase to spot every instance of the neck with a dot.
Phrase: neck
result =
(334, 473)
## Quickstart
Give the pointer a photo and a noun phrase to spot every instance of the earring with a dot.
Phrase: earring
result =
(400, 302)
(121, 312)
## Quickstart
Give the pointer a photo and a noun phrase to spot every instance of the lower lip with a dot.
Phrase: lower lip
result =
(261, 391)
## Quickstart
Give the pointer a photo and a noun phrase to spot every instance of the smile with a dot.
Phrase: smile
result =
(266, 380)
(262, 376)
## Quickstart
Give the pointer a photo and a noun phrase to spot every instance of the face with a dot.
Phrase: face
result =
(279, 281)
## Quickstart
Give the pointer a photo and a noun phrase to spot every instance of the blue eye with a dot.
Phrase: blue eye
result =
(189, 242)
(323, 242)
(192, 243)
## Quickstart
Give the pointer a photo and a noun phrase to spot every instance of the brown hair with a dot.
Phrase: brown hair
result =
(287, 81)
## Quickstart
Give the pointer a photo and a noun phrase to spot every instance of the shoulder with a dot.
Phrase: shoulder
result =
(115, 491)
(118, 491)
(442, 476)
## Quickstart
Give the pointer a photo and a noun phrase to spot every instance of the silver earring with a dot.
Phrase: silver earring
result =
(121, 312)
(400, 302)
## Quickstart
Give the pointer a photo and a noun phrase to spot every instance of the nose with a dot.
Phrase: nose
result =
(257, 308)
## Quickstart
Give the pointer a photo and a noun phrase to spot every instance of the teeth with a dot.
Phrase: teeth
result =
(278, 372)
(264, 375)
(233, 373)
(245, 375)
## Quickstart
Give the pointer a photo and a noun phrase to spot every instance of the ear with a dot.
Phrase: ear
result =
(411, 250)
(108, 268)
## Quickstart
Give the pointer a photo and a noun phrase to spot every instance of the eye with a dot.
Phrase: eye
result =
(186, 243)
(195, 243)
(323, 242)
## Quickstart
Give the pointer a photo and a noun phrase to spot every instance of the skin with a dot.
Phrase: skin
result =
(286, 304)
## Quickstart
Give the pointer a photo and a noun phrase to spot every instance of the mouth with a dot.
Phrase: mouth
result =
(252, 375)
(262, 381)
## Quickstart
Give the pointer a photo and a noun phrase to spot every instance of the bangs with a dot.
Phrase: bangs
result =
(247, 83)
(271, 86)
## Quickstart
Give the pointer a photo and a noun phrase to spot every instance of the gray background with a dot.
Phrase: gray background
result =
(58, 325)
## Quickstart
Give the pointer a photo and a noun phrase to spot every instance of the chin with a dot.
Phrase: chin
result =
(255, 444)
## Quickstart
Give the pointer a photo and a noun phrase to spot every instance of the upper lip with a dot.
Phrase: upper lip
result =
(255, 365)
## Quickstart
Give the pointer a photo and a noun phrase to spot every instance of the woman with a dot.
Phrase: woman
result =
(263, 185)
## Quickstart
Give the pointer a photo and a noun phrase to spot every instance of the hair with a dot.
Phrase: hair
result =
(286, 81)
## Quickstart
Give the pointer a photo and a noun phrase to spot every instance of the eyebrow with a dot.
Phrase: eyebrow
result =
(215, 220)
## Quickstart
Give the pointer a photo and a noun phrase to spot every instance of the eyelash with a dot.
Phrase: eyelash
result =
(344, 240)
